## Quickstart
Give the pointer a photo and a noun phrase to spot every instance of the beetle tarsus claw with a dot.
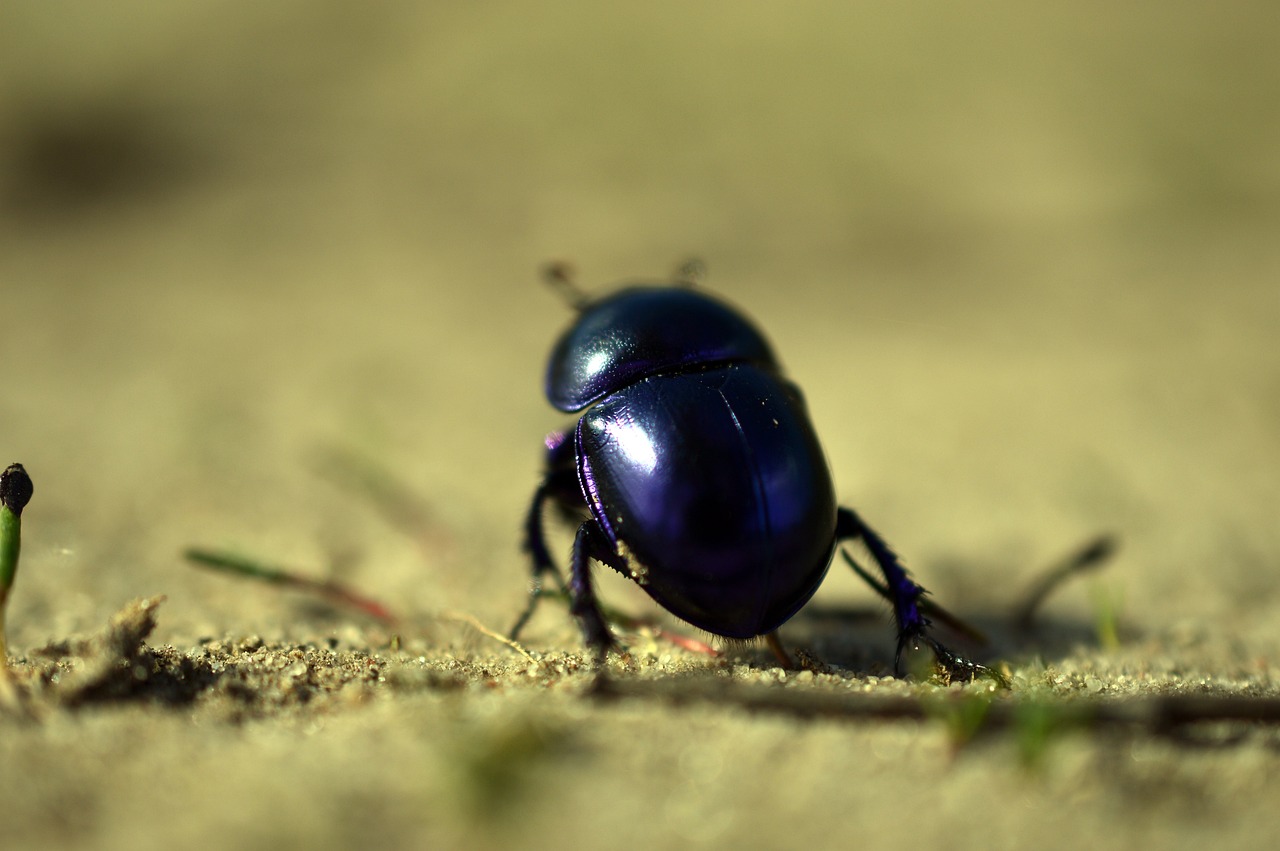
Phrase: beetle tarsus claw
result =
(599, 651)
(947, 666)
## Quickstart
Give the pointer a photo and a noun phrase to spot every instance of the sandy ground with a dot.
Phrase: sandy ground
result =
(253, 260)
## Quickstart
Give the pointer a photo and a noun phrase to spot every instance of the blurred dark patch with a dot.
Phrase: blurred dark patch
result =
(69, 160)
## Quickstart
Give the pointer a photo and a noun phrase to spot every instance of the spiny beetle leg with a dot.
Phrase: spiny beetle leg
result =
(560, 486)
(913, 626)
(903, 593)
(536, 546)
(589, 544)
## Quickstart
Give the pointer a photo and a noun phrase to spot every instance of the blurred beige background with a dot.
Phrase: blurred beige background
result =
(1023, 260)
(1024, 264)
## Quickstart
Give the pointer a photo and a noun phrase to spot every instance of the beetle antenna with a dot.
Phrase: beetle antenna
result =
(691, 273)
(558, 274)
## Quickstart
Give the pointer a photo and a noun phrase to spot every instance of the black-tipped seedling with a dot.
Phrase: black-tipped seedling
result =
(15, 493)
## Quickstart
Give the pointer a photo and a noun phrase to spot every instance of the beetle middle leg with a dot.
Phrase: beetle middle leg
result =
(589, 544)
(904, 594)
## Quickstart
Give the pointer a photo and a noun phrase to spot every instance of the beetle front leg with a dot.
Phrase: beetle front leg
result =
(560, 486)
(535, 545)
(904, 594)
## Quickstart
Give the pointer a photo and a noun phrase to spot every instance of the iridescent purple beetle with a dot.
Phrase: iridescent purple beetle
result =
(700, 474)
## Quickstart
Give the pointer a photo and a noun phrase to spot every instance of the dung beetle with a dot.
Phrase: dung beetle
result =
(698, 474)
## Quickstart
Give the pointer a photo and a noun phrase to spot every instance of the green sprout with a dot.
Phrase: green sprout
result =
(1107, 603)
(964, 715)
(1040, 722)
(15, 493)
(331, 590)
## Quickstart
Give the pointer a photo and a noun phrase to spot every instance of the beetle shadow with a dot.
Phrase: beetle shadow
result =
(859, 637)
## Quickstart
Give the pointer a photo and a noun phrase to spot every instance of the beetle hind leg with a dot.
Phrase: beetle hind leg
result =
(905, 595)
